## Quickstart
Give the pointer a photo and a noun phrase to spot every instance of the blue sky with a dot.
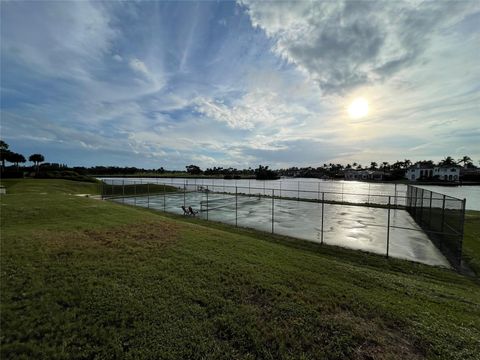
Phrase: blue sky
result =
(153, 84)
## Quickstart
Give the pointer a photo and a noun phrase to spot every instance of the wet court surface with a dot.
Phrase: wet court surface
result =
(354, 227)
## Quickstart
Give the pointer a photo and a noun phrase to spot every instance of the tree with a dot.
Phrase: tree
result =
(407, 163)
(36, 159)
(193, 169)
(385, 166)
(4, 152)
(264, 173)
(448, 161)
(16, 159)
(373, 165)
(466, 160)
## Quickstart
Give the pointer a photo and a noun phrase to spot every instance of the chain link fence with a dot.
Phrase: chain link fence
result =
(418, 225)
(442, 218)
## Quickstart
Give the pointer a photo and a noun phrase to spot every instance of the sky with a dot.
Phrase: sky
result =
(238, 84)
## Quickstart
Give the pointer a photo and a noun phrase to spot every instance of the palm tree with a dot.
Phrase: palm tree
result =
(447, 161)
(373, 165)
(36, 159)
(466, 160)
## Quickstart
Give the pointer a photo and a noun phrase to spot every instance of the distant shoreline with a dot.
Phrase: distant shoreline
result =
(403, 181)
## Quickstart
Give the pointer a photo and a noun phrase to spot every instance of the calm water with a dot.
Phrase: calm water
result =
(471, 193)
(340, 190)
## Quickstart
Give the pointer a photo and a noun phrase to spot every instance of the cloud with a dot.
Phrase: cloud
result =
(346, 44)
(68, 38)
(256, 109)
(139, 67)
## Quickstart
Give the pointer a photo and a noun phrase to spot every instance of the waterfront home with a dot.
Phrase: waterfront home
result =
(421, 170)
(425, 171)
(447, 173)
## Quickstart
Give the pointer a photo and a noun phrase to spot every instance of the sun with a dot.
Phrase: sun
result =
(358, 108)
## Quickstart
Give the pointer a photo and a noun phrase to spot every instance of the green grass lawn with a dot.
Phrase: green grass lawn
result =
(83, 278)
(471, 240)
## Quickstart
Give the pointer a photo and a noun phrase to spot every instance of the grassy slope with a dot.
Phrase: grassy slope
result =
(471, 241)
(84, 278)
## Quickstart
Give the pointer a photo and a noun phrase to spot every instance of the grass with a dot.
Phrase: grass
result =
(83, 278)
(471, 240)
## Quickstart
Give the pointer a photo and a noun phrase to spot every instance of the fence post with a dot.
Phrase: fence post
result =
(135, 193)
(273, 209)
(323, 208)
(388, 226)
(342, 192)
(298, 190)
(430, 210)
(164, 196)
(415, 203)
(280, 189)
(207, 202)
(148, 195)
(396, 203)
(123, 190)
(368, 199)
(462, 224)
(422, 191)
(443, 215)
(236, 206)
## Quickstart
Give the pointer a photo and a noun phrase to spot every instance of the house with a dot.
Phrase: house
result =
(420, 170)
(363, 175)
(447, 173)
(426, 171)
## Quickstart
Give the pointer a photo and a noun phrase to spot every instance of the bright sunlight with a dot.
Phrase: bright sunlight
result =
(358, 108)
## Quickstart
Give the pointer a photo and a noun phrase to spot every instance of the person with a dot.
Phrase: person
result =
(191, 211)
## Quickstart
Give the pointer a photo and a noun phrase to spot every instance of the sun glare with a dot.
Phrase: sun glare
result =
(358, 108)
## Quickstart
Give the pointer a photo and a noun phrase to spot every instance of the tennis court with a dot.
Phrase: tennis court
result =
(356, 227)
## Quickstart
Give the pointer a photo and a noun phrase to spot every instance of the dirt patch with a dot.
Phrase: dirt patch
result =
(143, 235)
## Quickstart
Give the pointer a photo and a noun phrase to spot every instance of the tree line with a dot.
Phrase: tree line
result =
(6, 155)
(391, 171)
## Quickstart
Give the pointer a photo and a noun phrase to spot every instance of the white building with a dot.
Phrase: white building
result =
(426, 171)
(419, 171)
(447, 173)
